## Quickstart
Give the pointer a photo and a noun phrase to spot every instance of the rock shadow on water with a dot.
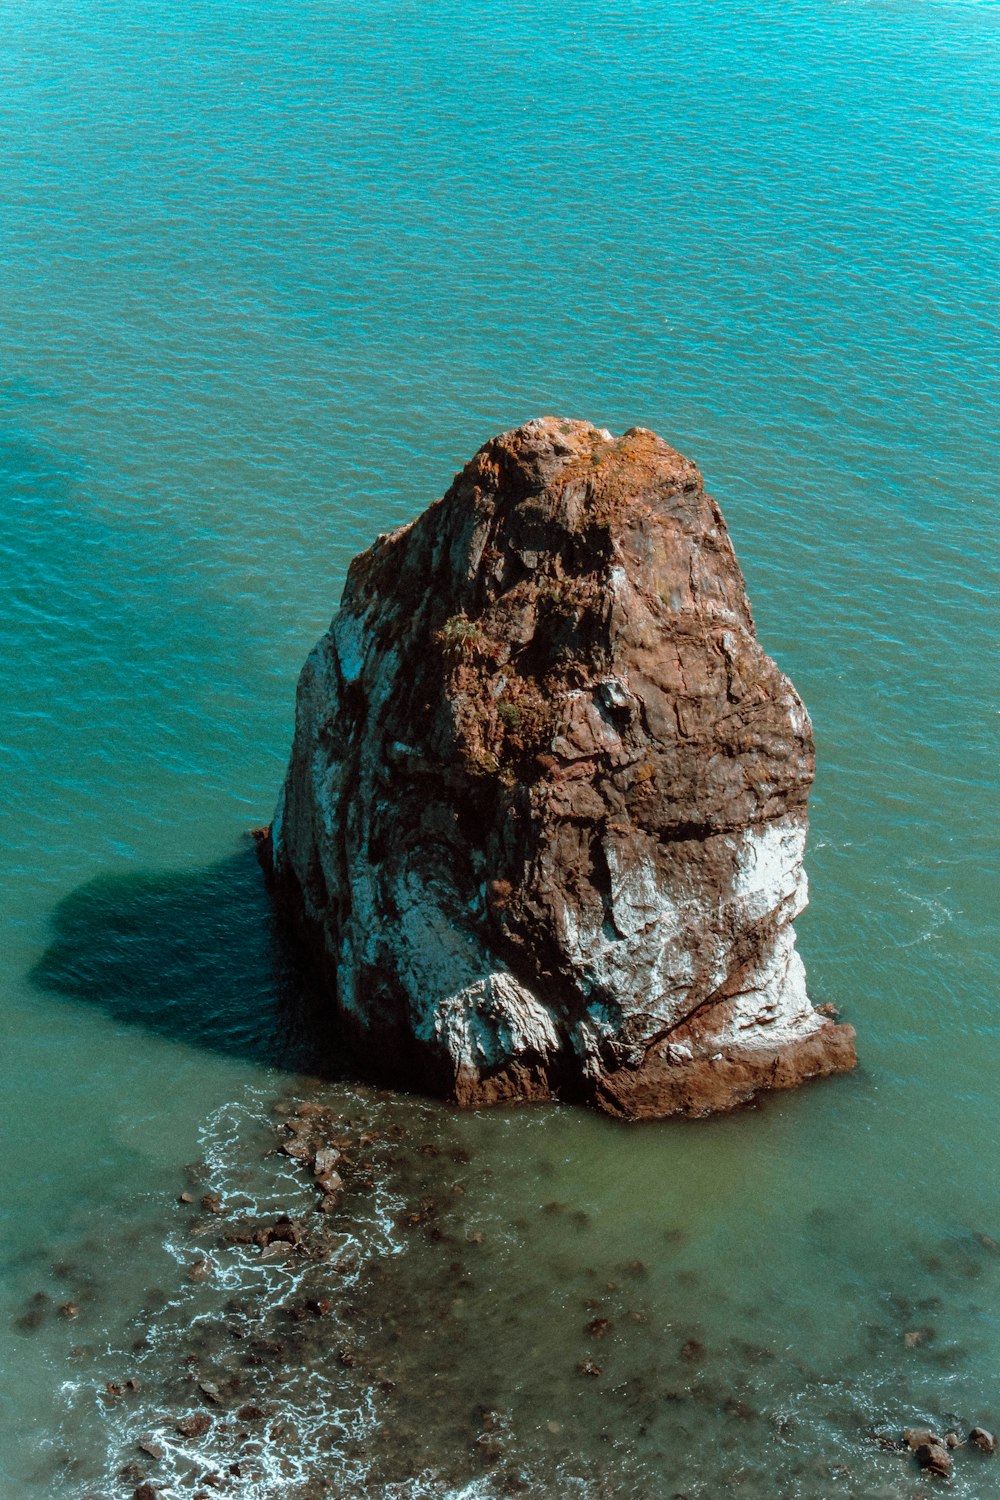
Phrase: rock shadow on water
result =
(195, 956)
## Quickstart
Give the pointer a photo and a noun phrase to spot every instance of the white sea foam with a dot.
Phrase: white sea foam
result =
(312, 1434)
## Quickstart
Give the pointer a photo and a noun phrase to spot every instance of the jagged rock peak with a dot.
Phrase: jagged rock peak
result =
(545, 814)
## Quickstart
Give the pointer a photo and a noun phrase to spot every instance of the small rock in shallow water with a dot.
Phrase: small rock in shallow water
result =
(209, 1390)
(916, 1437)
(312, 1109)
(914, 1337)
(70, 1309)
(598, 1328)
(935, 1458)
(325, 1162)
(952, 1440)
(196, 1425)
(146, 1492)
(296, 1149)
(283, 1231)
(588, 1367)
(275, 1251)
(983, 1440)
(152, 1447)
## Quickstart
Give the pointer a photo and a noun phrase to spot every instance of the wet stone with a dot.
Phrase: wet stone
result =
(297, 1150)
(916, 1437)
(935, 1458)
(196, 1425)
(980, 1438)
(283, 1231)
(325, 1163)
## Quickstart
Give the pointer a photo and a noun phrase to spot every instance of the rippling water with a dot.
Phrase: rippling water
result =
(269, 274)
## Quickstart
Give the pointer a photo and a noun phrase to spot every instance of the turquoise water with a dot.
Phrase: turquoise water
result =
(269, 275)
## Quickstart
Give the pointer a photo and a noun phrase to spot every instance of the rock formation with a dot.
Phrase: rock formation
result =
(546, 807)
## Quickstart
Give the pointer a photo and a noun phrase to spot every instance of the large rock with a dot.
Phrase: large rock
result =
(546, 807)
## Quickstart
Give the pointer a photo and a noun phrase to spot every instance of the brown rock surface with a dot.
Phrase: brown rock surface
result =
(546, 808)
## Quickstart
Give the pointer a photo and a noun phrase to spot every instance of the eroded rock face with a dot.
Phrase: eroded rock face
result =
(546, 807)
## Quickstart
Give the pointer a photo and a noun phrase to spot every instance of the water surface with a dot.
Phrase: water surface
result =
(270, 274)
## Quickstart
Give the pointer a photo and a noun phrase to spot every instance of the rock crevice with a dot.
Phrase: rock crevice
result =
(545, 813)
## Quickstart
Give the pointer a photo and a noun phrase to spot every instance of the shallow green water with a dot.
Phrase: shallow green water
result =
(269, 274)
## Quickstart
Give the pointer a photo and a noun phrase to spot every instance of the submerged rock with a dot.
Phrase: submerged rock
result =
(545, 813)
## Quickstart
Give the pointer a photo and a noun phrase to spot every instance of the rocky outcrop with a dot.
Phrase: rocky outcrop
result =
(546, 807)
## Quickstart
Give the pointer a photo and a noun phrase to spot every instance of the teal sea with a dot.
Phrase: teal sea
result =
(269, 274)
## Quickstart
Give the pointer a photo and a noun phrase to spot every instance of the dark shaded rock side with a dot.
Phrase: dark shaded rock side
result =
(545, 813)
